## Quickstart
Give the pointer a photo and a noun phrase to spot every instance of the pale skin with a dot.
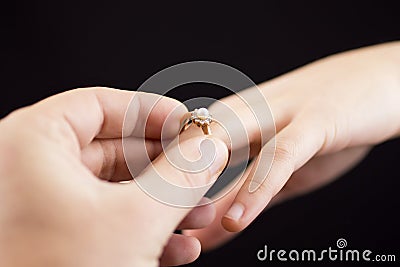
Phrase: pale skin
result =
(57, 208)
(56, 154)
(328, 115)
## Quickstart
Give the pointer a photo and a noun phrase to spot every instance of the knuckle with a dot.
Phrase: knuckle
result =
(285, 152)
(109, 164)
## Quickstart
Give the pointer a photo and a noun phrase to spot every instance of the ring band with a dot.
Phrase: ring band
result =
(200, 117)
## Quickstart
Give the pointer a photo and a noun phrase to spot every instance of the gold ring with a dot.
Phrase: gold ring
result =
(200, 117)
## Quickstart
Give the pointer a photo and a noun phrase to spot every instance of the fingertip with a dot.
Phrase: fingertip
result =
(200, 217)
(180, 250)
(221, 157)
(231, 225)
(196, 249)
(191, 251)
(245, 208)
(172, 111)
(233, 220)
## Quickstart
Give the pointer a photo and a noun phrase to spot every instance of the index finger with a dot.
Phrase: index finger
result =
(99, 112)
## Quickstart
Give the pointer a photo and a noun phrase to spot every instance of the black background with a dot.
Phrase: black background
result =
(49, 47)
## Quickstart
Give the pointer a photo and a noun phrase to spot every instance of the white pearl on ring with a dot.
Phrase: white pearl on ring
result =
(202, 113)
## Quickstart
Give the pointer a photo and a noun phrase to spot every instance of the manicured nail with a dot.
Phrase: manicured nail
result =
(235, 212)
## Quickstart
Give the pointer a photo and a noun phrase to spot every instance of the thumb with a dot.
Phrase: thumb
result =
(177, 180)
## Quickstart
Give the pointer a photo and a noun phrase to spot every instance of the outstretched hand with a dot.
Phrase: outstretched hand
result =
(327, 114)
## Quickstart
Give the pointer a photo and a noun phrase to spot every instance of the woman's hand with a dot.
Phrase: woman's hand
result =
(56, 206)
(327, 115)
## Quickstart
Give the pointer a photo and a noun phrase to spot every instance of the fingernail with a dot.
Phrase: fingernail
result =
(235, 212)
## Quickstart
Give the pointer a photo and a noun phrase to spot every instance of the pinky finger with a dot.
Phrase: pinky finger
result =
(290, 149)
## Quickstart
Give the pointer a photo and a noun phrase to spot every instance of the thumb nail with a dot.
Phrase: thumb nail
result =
(219, 160)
